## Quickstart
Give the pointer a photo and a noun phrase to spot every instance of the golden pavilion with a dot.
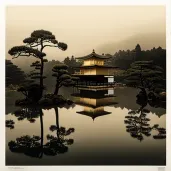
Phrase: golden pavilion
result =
(94, 71)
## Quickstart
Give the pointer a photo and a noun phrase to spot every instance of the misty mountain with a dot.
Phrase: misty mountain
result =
(24, 63)
(147, 41)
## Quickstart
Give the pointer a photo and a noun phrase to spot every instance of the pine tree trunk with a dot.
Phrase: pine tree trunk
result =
(41, 73)
(56, 90)
(57, 121)
(42, 133)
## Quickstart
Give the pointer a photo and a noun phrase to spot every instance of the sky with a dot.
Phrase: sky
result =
(84, 28)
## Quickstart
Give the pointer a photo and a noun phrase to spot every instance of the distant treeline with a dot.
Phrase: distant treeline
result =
(72, 63)
(14, 75)
(123, 59)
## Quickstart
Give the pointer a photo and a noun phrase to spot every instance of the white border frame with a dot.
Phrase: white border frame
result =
(4, 3)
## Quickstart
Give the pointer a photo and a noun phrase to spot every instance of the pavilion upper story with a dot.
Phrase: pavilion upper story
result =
(94, 64)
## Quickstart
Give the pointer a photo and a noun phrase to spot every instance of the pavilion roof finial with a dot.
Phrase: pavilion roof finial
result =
(93, 55)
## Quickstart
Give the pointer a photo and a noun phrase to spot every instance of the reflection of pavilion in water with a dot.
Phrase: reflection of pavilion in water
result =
(94, 102)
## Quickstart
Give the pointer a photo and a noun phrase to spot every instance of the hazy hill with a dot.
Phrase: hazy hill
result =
(147, 41)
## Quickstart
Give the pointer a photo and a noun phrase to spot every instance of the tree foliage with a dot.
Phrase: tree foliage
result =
(26, 52)
(145, 74)
(29, 145)
(62, 76)
(72, 63)
(9, 124)
(29, 114)
(13, 74)
(33, 146)
(137, 124)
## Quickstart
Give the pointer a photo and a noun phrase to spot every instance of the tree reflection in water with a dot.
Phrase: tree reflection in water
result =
(33, 146)
(58, 144)
(137, 123)
(9, 124)
(27, 113)
(27, 145)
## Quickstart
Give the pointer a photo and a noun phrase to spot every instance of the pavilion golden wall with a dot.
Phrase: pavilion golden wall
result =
(94, 110)
(88, 101)
(93, 62)
(95, 71)
(104, 101)
(89, 71)
(95, 102)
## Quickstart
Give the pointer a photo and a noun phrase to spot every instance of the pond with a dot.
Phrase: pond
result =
(101, 128)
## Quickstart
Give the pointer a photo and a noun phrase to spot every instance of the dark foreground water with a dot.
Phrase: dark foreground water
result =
(94, 131)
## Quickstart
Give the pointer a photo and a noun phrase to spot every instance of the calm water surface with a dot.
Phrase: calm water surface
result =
(92, 132)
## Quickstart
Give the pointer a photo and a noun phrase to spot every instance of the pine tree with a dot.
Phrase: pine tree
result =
(34, 46)
(62, 77)
(145, 75)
